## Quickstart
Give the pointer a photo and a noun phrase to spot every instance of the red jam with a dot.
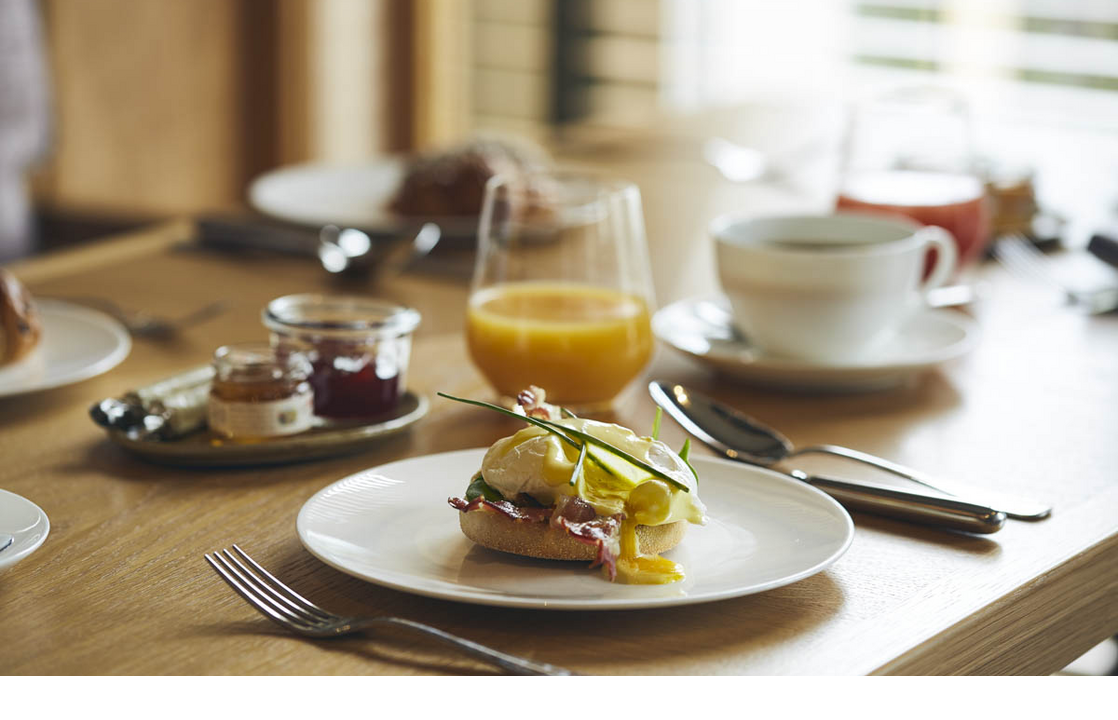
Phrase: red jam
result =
(344, 393)
(358, 348)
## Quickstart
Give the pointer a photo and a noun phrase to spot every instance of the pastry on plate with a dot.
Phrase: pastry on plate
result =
(451, 182)
(20, 327)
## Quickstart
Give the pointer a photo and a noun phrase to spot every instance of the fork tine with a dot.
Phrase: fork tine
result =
(297, 600)
(218, 564)
(270, 594)
(264, 592)
(1022, 258)
(1017, 255)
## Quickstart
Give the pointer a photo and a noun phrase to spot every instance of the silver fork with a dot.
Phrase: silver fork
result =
(1022, 258)
(293, 612)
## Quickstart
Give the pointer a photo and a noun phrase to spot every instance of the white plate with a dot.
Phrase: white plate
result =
(351, 195)
(392, 525)
(927, 340)
(78, 343)
(25, 522)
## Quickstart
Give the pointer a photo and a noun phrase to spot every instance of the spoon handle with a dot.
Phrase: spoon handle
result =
(906, 505)
(1012, 506)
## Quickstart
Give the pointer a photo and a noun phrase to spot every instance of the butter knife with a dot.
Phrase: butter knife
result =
(886, 500)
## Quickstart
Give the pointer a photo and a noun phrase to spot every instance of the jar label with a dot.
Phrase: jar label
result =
(262, 419)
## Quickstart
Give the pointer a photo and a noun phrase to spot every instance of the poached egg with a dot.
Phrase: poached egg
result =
(537, 463)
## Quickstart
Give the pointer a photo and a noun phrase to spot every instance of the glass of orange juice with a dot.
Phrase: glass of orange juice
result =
(562, 288)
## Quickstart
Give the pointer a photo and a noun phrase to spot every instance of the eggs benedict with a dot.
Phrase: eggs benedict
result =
(569, 488)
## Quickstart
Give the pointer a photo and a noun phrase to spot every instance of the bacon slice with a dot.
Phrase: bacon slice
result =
(532, 402)
(571, 514)
(602, 532)
(572, 509)
(513, 512)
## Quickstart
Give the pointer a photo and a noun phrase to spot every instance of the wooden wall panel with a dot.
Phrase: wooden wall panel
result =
(165, 107)
(147, 105)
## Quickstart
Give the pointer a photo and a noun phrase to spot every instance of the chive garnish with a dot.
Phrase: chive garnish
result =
(534, 421)
(525, 418)
(578, 464)
(684, 453)
(566, 434)
(655, 472)
(656, 423)
(567, 413)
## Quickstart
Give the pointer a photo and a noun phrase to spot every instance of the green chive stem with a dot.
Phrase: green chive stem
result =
(566, 434)
(656, 472)
(578, 464)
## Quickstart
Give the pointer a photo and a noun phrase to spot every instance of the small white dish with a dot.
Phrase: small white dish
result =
(25, 522)
(350, 195)
(391, 525)
(928, 339)
(78, 343)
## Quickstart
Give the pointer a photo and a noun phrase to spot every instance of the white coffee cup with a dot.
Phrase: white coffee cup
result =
(827, 288)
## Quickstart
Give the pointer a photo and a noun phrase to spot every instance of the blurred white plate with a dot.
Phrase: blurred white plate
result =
(77, 344)
(391, 525)
(347, 195)
(930, 338)
(25, 522)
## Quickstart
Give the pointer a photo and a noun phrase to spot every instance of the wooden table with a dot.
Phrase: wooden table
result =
(120, 586)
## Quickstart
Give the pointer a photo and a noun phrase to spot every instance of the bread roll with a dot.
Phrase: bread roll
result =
(539, 540)
(20, 329)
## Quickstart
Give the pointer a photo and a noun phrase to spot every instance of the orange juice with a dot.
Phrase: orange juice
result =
(581, 344)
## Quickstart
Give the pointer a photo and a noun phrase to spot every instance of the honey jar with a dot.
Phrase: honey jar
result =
(259, 392)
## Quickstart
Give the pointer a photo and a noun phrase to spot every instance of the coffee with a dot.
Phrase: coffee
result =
(817, 245)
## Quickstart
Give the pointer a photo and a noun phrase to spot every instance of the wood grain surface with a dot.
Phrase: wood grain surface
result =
(120, 586)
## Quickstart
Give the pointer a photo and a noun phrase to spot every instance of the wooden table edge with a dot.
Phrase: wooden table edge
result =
(1064, 625)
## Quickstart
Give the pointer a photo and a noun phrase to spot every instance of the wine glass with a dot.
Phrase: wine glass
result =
(910, 151)
(562, 288)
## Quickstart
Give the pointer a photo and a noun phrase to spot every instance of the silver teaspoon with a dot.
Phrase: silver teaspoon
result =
(740, 437)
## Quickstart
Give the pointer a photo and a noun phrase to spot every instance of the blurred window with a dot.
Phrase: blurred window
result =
(1041, 76)
(548, 61)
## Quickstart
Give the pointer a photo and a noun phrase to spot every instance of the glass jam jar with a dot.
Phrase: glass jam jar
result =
(259, 392)
(358, 349)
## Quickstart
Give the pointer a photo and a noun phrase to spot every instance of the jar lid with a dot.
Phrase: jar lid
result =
(340, 316)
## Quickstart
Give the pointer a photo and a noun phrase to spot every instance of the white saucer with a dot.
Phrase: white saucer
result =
(25, 522)
(78, 343)
(928, 339)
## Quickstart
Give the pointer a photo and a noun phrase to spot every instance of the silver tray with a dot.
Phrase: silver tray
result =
(205, 449)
